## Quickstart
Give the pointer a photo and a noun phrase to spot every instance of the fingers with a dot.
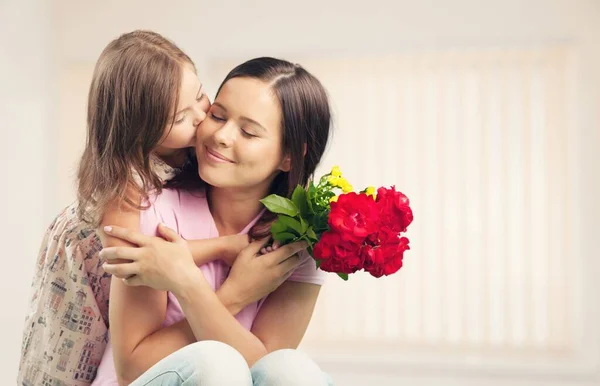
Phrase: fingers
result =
(122, 271)
(288, 266)
(112, 254)
(276, 244)
(133, 237)
(134, 281)
(284, 252)
(255, 246)
(168, 233)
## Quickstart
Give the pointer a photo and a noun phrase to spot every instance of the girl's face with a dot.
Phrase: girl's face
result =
(239, 145)
(191, 110)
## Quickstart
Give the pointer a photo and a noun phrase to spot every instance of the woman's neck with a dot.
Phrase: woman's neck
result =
(233, 210)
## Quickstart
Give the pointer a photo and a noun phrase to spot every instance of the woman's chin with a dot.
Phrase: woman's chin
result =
(212, 177)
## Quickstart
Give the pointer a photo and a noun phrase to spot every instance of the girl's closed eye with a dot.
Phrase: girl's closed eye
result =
(181, 118)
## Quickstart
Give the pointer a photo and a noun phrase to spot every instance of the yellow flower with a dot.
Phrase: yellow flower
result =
(336, 172)
(333, 199)
(371, 192)
(347, 188)
(333, 180)
(338, 182)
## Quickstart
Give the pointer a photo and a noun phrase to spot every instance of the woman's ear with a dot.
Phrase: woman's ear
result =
(286, 164)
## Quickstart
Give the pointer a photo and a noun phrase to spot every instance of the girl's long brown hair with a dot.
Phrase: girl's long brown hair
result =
(132, 99)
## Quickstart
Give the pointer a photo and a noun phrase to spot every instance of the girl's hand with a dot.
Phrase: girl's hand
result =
(162, 264)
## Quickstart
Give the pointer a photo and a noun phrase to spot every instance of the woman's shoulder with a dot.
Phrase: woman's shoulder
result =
(179, 209)
(175, 197)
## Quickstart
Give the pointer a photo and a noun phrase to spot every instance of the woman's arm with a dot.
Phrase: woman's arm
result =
(281, 322)
(284, 317)
(134, 313)
(252, 277)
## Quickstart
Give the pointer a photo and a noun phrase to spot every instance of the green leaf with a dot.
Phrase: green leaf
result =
(284, 237)
(310, 194)
(299, 198)
(278, 227)
(304, 225)
(311, 233)
(308, 240)
(290, 224)
(320, 220)
(344, 276)
(280, 205)
(318, 262)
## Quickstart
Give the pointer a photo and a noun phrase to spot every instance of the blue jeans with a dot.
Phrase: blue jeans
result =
(211, 363)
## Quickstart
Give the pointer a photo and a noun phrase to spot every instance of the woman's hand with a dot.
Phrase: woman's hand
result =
(253, 275)
(162, 264)
(233, 245)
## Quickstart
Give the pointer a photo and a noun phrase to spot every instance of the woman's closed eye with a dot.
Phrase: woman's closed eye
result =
(247, 134)
(217, 118)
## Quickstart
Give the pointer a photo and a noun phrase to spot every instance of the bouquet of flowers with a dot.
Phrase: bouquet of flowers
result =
(345, 232)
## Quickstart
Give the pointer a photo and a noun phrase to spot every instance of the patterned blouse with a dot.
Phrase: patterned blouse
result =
(66, 327)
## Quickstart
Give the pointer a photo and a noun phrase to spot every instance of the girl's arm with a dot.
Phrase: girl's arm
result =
(225, 248)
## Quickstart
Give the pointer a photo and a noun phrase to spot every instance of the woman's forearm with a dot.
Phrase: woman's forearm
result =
(209, 315)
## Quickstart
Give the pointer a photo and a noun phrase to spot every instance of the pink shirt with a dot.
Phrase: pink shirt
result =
(189, 215)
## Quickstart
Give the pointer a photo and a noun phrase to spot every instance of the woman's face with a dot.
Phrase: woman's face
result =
(192, 108)
(239, 144)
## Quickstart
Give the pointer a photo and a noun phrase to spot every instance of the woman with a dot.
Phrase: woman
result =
(265, 133)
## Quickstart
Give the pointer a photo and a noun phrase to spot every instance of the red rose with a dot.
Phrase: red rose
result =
(353, 216)
(384, 235)
(337, 255)
(384, 259)
(394, 210)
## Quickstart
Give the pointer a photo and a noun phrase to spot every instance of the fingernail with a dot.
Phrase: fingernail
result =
(107, 228)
